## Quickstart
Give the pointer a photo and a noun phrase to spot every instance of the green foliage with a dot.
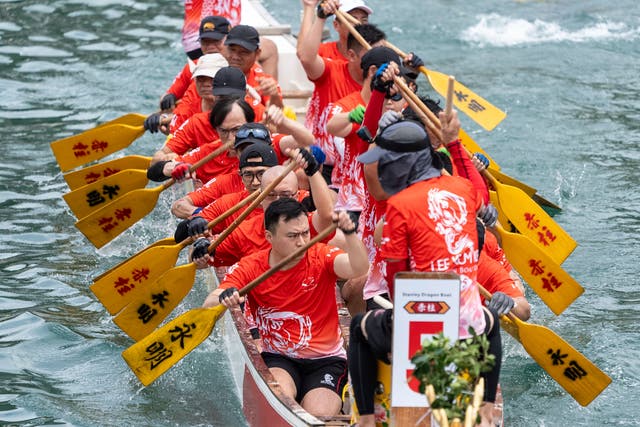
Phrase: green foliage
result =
(453, 369)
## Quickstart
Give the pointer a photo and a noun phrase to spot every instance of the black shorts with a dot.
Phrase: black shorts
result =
(307, 374)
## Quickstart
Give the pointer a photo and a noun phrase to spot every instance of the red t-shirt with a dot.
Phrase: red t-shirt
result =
(493, 250)
(193, 133)
(223, 204)
(295, 309)
(433, 223)
(334, 84)
(182, 80)
(196, 10)
(221, 165)
(329, 50)
(216, 188)
(256, 73)
(493, 276)
(188, 107)
(349, 172)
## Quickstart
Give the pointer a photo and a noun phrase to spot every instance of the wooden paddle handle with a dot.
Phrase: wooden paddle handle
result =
(264, 276)
(202, 161)
(233, 209)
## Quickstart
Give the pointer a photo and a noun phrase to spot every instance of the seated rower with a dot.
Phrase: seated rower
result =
(295, 309)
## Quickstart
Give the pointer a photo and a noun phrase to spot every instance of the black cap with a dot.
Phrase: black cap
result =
(245, 36)
(214, 27)
(230, 81)
(377, 56)
(250, 133)
(258, 150)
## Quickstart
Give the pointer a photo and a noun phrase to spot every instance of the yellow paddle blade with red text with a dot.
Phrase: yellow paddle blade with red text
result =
(91, 174)
(93, 144)
(91, 197)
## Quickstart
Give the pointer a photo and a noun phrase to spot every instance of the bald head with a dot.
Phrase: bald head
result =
(289, 185)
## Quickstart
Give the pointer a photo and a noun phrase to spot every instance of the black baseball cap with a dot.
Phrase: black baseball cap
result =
(230, 81)
(258, 150)
(377, 56)
(245, 36)
(214, 27)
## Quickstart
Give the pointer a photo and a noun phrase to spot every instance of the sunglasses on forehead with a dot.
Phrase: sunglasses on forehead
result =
(395, 97)
(257, 133)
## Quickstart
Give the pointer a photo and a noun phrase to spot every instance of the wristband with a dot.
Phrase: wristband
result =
(320, 12)
(196, 211)
(455, 142)
(348, 232)
(155, 172)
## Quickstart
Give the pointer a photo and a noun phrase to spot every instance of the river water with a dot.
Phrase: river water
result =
(567, 74)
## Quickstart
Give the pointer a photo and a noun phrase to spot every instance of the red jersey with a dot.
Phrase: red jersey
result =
(216, 188)
(190, 105)
(225, 203)
(253, 76)
(193, 133)
(373, 211)
(433, 223)
(295, 309)
(221, 165)
(493, 250)
(183, 79)
(196, 10)
(495, 278)
(329, 50)
(334, 83)
(349, 172)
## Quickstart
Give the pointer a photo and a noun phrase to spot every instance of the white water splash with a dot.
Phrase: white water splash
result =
(498, 30)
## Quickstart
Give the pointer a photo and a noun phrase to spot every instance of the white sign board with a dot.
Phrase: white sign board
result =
(425, 304)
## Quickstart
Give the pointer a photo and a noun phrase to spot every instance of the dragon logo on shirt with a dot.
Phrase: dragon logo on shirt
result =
(278, 330)
(449, 213)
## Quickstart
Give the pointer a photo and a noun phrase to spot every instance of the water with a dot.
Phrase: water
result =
(565, 72)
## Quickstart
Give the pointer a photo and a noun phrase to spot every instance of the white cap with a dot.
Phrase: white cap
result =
(208, 65)
(348, 5)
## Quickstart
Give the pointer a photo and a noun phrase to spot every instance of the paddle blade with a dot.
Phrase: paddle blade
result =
(91, 174)
(567, 366)
(532, 221)
(111, 220)
(93, 144)
(130, 119)
(473, 148)
(148, 309)
(473, 105)
(91, 197)
(156, 353)
(123, 284)
(549, 281)
(168, 241)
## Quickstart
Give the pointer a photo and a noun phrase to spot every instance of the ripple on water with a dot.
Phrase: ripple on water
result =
(80, 35)
(36, 51)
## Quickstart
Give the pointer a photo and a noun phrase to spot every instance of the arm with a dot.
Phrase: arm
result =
(355, 262)
(297, 134)
(340, 125)
(309, 40)
(183, 207)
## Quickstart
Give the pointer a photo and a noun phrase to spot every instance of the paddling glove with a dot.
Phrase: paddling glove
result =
(489, 215)
(357, 114)
(196, 225)
(320, 12)
(312, 165)
(168, 101)
(201, 248)
(152, 123)
(180, 171)
(414, 62)
(377, 83)
(483, 159)
(389, 118)
(227, 293)
(501, 302)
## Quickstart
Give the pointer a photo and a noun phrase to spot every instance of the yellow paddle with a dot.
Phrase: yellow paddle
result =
(551, 283)
(178, 281)
(113, 288)
(93, 173)
(93, 144)
(583, 380)
(130, 119)
(156, 353)
(473, 105)
(91, 197)
(105, 224)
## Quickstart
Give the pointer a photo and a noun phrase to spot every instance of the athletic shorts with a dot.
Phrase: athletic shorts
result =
(307, 374)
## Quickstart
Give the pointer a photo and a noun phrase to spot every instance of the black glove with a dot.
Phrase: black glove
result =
(489, 215)
(200, 248)
(320, 12)
(152, 123)
(168, 102)
(377, 83)
(312, 164)
(414, 62)
(226, 294)
(501, 302)
(196, 225)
